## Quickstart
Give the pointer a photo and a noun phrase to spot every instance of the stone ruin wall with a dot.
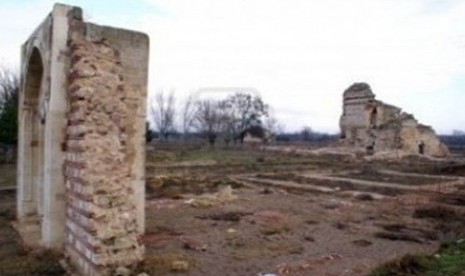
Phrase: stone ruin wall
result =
(377, 126)
(96, 116)
(101, 215)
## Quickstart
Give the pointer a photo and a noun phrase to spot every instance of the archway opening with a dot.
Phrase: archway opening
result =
(33, 133)
(373, 117)
(421, 147)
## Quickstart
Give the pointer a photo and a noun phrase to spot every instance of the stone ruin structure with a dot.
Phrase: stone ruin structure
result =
(81, 146)
(376, 126)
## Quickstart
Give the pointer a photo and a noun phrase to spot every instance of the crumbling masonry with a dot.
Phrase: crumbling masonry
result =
(81, 141)
(375, 126)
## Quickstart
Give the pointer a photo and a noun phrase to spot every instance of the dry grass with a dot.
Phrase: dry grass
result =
(39, 263)
(7, 175)
(166, 263)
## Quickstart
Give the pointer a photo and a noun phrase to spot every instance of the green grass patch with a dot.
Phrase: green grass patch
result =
(448, 261)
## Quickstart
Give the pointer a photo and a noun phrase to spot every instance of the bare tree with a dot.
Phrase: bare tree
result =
(273, 127)
(244, 111)
(9, 98)
(162, 110)
(188, 113)
(208, 119)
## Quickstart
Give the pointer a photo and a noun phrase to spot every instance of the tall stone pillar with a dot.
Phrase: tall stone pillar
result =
(85, 88)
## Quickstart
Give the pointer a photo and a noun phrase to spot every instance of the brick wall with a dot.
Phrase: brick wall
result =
(101, 213)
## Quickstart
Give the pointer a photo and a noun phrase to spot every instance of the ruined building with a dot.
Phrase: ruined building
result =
(375, 126)
(81, 141)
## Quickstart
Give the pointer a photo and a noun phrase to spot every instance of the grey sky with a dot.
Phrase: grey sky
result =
(300, 55)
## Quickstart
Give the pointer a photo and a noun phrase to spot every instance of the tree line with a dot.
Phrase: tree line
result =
(229, 119)
(9, 93)
(9, 97)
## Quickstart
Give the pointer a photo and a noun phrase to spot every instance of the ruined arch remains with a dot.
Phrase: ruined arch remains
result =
(81, 141)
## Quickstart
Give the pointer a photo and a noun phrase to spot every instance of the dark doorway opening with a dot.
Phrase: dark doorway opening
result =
(421, 148)
(373, 117)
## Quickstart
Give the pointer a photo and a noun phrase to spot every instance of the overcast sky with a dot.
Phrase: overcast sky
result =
(299, 55)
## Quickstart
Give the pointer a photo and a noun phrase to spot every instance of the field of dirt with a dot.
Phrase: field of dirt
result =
(289, 214)
(245, 211)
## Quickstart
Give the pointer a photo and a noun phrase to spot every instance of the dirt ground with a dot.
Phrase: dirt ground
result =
(252, 212)
(298, 215)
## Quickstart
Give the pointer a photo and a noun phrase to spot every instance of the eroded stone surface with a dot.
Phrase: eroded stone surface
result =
(101, 214)
(81, 155)
(377, 126)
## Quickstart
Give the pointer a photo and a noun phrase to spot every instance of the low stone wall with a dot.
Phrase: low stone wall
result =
(101, 214)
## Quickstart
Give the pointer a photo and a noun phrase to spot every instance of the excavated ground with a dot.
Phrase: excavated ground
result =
(297, 215)
(249, 212)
